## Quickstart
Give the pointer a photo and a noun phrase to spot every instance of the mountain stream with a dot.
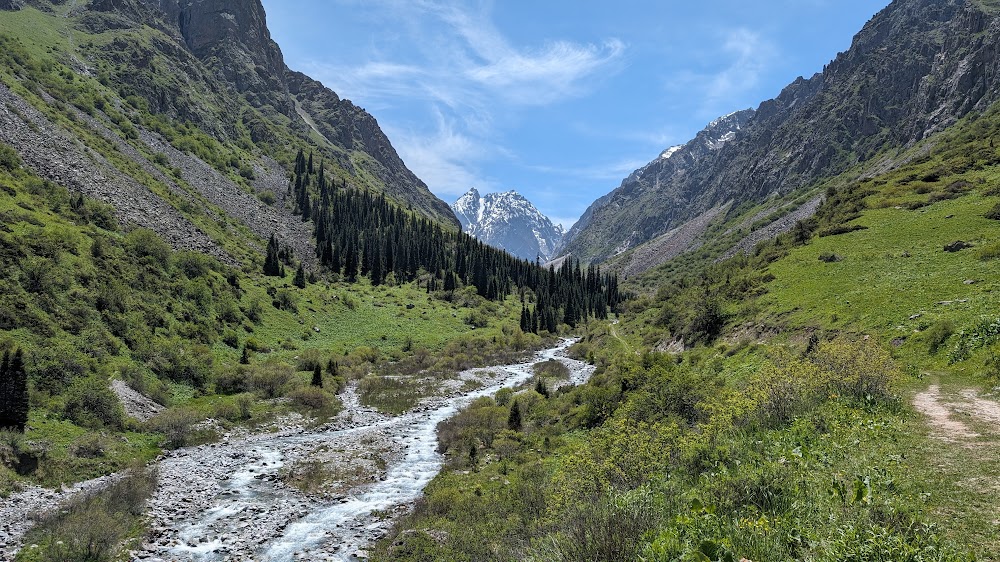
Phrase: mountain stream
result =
(226, 501)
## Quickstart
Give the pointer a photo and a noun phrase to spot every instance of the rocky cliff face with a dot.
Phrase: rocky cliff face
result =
(232, 39)
(643, 207)
(510, 222)
(915, 68)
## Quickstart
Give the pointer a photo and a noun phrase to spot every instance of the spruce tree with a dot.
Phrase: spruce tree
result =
(13, 391)
(514, 418)
(272, 263)
(300, 277)
(540, 387)
(317, 379)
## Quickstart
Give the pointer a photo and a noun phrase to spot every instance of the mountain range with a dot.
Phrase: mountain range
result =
(510, 222)
(185, 109)
(915, 68)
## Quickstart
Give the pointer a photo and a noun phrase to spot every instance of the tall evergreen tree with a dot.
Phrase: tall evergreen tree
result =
(514, 418)
(300, 277)
(317, 379)
(13, 391)
(272, 263)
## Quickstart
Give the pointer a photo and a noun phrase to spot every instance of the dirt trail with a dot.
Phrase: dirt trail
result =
(940, 416)
(959, 464)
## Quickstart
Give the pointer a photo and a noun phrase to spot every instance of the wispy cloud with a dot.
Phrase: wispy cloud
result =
(748, 53)
(441, 158)
(470, 76)
(606, 171)
(745, 54)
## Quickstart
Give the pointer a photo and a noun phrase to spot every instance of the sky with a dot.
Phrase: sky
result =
(559, 100)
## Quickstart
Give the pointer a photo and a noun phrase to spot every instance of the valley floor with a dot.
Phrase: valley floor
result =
(233, 500)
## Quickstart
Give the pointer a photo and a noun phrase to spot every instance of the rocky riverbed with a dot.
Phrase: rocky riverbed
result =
(230, 500)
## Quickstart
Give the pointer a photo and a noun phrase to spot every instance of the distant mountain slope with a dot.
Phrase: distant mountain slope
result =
(187, 105)
(915, 68)
(510, 222)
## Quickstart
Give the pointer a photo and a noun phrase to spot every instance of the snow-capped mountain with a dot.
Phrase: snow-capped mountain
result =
(510, 222)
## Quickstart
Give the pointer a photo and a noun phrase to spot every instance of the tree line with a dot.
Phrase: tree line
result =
(362, 234)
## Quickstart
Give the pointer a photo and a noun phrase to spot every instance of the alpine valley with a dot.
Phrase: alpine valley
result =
(234, 325)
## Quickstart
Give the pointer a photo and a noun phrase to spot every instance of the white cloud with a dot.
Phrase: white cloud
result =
(444, 159)
(745, 55)
(470, 76)
(609, 171)
(749, 53)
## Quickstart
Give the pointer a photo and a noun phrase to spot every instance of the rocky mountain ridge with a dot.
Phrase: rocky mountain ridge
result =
(914, 69)
(510, 222)
(145, 72)
(639, 201)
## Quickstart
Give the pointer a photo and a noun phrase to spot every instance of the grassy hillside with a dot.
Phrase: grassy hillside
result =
(90, 301)
(786, 429)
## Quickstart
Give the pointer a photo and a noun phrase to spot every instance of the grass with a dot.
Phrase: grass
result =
(895, 278)
(98, 526)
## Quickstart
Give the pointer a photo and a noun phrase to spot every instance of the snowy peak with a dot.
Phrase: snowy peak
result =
(510, 222)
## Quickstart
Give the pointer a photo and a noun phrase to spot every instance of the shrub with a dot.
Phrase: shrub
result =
(90, 446)
(311, 397)
(9, 160)
(94, 526)
(255, 345)
(268, 197)
(861, 369)
(269, 380)
(829, 257)
(311, 359)
(146, 245)
(609, 530)
(991, 252)
(553, 368)
(938, 334)
(176, 425)
(182, 362)
(284, 300)
(90, 403)
(994, 213)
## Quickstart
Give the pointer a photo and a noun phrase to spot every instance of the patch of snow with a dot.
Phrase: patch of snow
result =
(666, 154)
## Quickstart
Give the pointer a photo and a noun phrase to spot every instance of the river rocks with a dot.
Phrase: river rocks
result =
(229, 500)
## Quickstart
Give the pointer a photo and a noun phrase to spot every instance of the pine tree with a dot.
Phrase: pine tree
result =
(272, 263)
(13, 391)
(317, 379)
(300, 277)
(245, 358)
(540, 387)
(514, 419)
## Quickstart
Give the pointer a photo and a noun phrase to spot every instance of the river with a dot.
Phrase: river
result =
(225, 501)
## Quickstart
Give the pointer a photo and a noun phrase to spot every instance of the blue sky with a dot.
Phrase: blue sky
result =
(558, 100)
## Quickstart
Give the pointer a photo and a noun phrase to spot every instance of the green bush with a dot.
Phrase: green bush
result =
(9, 160)
(938, 334)
(91, 403)
(94, 526)
(269, 380)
